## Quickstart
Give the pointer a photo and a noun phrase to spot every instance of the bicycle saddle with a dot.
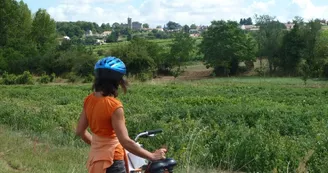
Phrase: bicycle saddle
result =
(161, 165)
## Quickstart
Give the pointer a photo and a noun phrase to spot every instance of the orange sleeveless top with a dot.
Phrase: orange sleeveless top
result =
(99, 111)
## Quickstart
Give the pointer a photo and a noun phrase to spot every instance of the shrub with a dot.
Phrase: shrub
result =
(88, 79)
(25, 78)
(12, 79)
(143, 77)
(52, 77)
(8, 79)
(101, 52)
(72, 77)
(45, 79)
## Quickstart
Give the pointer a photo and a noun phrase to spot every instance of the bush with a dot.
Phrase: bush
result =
(101, 52)
(12, 79)
(88, 79)
(52, 77)
(8, 79)
(25, 78)
(72, 77)
(84, 64)
(45, 79)
(143, 77)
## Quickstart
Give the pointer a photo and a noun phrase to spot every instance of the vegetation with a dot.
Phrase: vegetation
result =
(224, 45)
(245, 124)
(237, 124)
(30, 44)
(247, 21)
(294, 52)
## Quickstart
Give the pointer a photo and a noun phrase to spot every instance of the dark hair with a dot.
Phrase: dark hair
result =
(108, 86)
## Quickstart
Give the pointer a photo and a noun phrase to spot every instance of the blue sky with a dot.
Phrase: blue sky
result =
(159, 12)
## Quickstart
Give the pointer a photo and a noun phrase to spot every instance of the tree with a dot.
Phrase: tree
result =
(173, 25)
(186, 29)
(43, 31)
(116, 25)
(311, 32)
(321, 52)
(224, 45)
(105, 27)
(291, 51)
(299, 20)
(269, 39)
(15, 41)
(193, 26)
(181, 51)
(138, 56)
(145, 25)
(113, 37)
(249, 21)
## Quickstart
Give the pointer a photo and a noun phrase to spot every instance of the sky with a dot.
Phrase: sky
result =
(159, 12)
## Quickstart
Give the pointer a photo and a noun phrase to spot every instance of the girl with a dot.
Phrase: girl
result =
(104, 114)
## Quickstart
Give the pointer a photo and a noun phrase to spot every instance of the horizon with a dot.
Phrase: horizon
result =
(159, 12)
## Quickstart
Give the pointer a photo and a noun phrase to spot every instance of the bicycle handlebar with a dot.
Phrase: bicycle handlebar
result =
(148, 133)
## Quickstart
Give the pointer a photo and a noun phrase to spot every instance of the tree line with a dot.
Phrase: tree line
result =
(300, 51)
(30, 43)
(34, 43)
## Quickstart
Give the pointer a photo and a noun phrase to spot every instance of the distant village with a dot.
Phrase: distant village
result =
(137, 26)
(194, 32)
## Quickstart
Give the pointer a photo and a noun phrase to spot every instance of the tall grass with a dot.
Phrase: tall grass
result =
(236, 124)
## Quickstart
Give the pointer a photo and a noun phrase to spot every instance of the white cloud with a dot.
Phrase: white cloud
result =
(262, 6)
(90, 10)
(310, 11)
(159, 12)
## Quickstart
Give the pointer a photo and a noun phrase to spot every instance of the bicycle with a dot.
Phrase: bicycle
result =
(141, 165)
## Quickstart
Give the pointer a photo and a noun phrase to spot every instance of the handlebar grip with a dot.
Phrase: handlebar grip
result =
(150, 132)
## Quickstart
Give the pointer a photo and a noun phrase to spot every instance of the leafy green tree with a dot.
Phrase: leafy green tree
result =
(173, 25)
(291, 51)
(310, 35)
(90, 40)
(269, 38)
(224, 45)
(129, 37)
(43, 31)
(181, 51)
(145, 25)
(186, 29)
(321, 52)
(105, 27)
(116, 26)
(70, 29)
(113, 37)
(249, 21)
(193, 26)
(137, 56)
(16, 44)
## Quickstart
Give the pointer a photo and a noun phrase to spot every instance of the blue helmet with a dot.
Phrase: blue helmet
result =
(115, 67)
(111, 63)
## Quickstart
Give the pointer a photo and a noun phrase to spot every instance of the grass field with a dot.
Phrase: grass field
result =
(248, 124)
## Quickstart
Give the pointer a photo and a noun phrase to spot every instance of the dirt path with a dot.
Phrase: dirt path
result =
(193, 72)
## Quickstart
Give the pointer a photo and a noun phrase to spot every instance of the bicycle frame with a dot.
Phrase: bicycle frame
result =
(137, 163)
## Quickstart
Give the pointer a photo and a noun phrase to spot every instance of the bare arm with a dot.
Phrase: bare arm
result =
(120, 129)
(81, 129)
